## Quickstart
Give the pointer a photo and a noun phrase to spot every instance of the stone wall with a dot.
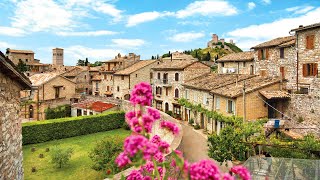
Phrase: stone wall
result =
(241, 67)
(14, 57)
(67, 90)
(307, 107)
(10, 130)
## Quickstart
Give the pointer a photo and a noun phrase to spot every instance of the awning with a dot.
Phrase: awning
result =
(275, 94)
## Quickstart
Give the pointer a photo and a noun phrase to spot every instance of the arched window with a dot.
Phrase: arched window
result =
(176, 77)
(176, 93)
(159, 76)
(118, 88)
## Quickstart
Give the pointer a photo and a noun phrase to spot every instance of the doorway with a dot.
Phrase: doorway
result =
(271, 112)
(251, 69)
(202, 121)
(31, 112)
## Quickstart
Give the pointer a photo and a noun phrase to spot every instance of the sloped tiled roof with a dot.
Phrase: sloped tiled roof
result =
(135, 67)
(96, 106)
(39, 79)
(174, 65)
(255, 83)
(275, 94)
(73, 72)
(96, 77)
(289, 43)
(213, 80)
(20, 51)
(274, 42)
(316, 25)
(240, 56)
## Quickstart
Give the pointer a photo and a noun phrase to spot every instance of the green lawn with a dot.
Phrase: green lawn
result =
(79, 166)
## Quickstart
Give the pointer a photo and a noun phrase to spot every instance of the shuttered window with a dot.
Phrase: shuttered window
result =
(263, 73)
(281, 52)
(230, 106)
(310, 42)
(310, 69)
(217, 103)
(282, 72)
(204, 100)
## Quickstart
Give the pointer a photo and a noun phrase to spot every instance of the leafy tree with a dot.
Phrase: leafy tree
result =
(104, 154)
(152, 57)
(80, 62)
(60, 157)
(22, 67)
(95, 64)
(207, 57)
(86, 62)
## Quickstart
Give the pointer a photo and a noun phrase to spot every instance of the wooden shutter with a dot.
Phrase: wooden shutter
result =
(267, 53)
(259, 54)
(311, 40)
(304, 70)
(315, 69)
(282, 72)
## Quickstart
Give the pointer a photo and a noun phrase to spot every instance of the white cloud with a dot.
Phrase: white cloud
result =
(34, 15)
(266, 1)
(208, 8)
(5, 45)
(300, 9)
(136, 19)
(73, 53)
(277, 28)
(251, 5)
(127, 43)
(86, 33)
(11, 31)
(186, 36)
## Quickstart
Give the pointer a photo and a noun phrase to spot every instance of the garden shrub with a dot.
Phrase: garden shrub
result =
(60, 156)
(191, 121)
(197, 126)
(104, 154)
(58, 112)
(125, 126)
(42, 131)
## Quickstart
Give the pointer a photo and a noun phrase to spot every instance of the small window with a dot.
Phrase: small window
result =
(26, 60)
(217, 103)
(205, 99)
(222, 64)
(310, 69)
(304, 90)
(186, 94)
(176, 93)
(244, 64)
(167, 91)
(122, 77)
(151, 75)
(159, 76)
(105, 76)
(136, 75)
(176, 77)
(282, 73)
(263, 54)
(108, 88)
(85, 76)
(118, 88)
(281, 52)
(230, 107)
(111, 77)
(310, 41)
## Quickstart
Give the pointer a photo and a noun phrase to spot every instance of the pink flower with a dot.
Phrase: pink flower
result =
(159, 157)
(156, 139)
(170, 126)
(122, 160)
(242, 172)
(147, 122)
(164, 147)
(137, 175)
(203, 170)
(154, 113)
(227, 176)
(134, 143)
(141, 94)
(148, 167)
(150, 150)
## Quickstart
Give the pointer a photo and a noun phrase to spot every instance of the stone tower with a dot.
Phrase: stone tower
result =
(57, 56)
(215, 38)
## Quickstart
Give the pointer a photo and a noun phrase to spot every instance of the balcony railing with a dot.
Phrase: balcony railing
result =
(162, 82)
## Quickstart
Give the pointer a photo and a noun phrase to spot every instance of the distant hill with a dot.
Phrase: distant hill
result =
(214, 53)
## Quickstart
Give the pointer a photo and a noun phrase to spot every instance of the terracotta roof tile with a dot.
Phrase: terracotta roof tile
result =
(212, 81)
(307, 27)
(42, 78)
(96, 77)
(73, 72)
(275, 94)
(289, 43)
(240, 56)
(96, 106)
(274, 42)
(134, 67)
(174, 65)
(20, 51)
(255, 83)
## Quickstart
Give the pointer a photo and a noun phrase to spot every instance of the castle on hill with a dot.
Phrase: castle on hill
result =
(216, 42)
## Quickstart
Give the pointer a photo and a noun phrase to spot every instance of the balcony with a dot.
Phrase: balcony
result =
(162, 82)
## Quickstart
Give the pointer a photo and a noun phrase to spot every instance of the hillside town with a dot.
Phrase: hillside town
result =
(271, 91)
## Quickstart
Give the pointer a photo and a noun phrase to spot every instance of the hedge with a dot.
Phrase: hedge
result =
(47, 130)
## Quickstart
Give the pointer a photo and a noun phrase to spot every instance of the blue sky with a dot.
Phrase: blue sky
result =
(99, 29)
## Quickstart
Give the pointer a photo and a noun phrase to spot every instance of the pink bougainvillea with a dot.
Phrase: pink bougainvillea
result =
(149, 152)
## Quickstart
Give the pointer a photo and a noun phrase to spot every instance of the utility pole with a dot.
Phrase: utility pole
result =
(244, 100)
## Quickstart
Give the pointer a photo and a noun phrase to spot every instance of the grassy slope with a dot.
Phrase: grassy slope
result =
(79, 166)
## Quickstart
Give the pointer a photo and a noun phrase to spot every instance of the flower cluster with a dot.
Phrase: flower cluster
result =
(170, 126)
(149, 152)
(141, 94)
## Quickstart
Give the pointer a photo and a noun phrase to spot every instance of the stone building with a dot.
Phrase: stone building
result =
(168, 78)
(11, 83)
(48, 90)
(223, 93)
(236, 63)
(125, 79)
(120, 62)
(57, 56)
(277, 58)
(179, 56)
(82, 78)
(308, 46)
(216, 42)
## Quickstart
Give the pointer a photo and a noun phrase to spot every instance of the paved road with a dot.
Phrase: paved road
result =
(193, 145)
